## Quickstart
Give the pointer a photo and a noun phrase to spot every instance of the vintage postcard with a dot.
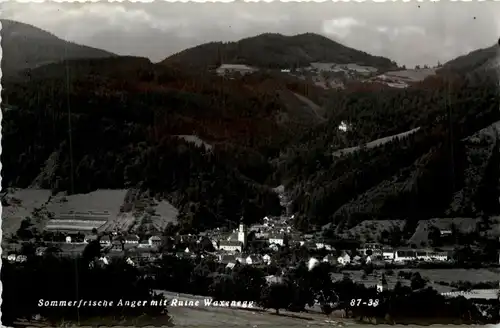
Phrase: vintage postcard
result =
(250, 164)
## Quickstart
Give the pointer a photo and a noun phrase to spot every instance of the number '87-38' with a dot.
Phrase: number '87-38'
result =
(359, 302)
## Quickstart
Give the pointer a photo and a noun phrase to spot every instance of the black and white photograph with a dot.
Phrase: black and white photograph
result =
(279, 164)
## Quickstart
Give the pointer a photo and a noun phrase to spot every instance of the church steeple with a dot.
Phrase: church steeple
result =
(242, 233)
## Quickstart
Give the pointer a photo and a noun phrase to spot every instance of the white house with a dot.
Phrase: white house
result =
(278, 239)
(388, 254)
(266, 259)
(432, 255)
(274, 279)
(445, 232)
(21, 258)
(313, 262)
(230, 246)
(68, 239)
(368, 259)
(404, 255)
(131, 239)
(154, 241)
(252, 259)
(344, 259)
(11, 257)
(227, 69)
(105, 241)
(382, 285)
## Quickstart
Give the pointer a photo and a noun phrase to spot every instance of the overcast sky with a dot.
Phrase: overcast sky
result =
(404, 32)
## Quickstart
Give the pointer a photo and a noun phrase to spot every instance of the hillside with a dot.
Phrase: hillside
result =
(476, 60)
(276, 51)
(448, 167)
(126, 117)
(25, 46)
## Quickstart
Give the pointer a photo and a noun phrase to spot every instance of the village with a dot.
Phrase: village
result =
(231, 247)
(273, 245)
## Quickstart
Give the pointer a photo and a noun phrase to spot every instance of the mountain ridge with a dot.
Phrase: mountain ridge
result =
(274, 50)
(26, 46)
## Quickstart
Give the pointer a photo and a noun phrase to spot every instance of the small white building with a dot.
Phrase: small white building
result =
(230, 246)
(266, 259)
(130, 262)
(271, 279)
(131, 239)
(382, 284)
(277, 239)
(105, 241)
(344, 259)
(405, 255)
(432, 255)
(313, 262)
(68, 239)
(228, 69)
(252, 260)
(388, 254)
(154, 241)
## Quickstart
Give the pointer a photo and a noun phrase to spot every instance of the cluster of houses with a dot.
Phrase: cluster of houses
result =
(273, 233)
(231, 69)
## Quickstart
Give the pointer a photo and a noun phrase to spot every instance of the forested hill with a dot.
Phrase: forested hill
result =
(126, 114)
(25, 46)
(476, 60)
(272, 50)
(448, 167)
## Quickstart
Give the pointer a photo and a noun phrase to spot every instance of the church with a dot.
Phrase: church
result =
(236, 241)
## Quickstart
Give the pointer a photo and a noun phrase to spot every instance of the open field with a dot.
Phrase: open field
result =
(84, 212)
(122, 222)
(433, 275)
(75, 225)
(451, 275)
(375, 143)
(413, 75)
(104, 203)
